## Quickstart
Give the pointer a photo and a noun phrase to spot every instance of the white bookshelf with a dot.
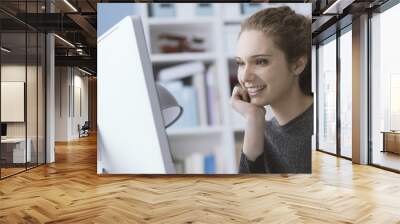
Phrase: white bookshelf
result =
(181, 57)
(179, 21)
(220, 138)
(196, 131)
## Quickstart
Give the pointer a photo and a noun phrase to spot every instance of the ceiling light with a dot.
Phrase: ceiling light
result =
(338, 6)
(79, 51)
(5, 50)
(65, 41)
(70, 5)
(84, 71)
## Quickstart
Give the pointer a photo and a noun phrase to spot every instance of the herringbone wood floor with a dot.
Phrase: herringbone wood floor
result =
(70, 191)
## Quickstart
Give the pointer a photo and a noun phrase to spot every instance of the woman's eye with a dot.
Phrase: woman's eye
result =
(261, 61)
(239, 63)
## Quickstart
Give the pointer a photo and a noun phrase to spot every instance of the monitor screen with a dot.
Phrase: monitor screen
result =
(3, 129)
(131, 134)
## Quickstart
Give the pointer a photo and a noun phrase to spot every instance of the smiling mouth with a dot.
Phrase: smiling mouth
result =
(255, 90)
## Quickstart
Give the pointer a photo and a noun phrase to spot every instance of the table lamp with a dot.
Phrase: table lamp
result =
(171, 110)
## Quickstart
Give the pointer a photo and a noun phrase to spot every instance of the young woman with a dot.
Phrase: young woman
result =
(273, 58)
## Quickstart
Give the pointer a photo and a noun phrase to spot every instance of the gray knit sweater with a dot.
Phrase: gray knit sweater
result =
(287, 148)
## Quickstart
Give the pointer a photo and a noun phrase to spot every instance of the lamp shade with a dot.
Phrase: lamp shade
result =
(170, 109)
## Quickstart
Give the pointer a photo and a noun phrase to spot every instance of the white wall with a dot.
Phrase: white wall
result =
(80, 83)
(70, 83)
(17, 72)
(61, 103)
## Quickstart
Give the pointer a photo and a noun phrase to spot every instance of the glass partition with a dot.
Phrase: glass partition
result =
(31, 100)
(13, 106)
(41, 87)
(327, 95)
(22, 77)
(346, 92)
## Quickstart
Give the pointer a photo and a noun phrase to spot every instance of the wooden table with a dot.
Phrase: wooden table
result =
(391, 141)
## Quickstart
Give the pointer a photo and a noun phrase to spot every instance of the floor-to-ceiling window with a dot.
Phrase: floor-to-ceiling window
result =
(345, 93)
(334, 102)
(327, 95)
(385, 89)
(22, 88)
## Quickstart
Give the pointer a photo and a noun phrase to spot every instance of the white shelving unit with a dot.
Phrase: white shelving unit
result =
(177, 21)
(215, 29)
(181, 57)
(219, 138)
(198, 131)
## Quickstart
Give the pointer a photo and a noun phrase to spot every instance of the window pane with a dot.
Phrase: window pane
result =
(385, 89)
(345, 94)
(327, 97)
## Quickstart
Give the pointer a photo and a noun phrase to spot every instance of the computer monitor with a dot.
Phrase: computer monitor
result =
(3, 130)
(131, 135)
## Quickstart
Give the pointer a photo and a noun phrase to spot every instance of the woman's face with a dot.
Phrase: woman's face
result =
(262, 68)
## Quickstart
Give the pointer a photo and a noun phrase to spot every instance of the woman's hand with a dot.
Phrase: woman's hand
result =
(253, 142)
(240, 101)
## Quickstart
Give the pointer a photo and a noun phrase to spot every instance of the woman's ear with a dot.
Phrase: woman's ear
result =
(299, 65)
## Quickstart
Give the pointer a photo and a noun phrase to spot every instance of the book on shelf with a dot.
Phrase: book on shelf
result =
(198, 163)
(186, 98)
(181, 10)
(231, 10)
(204, 9)
(181, 71)
(200, 86)
(250, 8)
(213, 97)
(209, 164)
(162, 10)
(194, 163)
(191, 97)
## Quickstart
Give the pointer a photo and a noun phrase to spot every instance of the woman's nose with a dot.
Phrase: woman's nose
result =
(248, 74)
